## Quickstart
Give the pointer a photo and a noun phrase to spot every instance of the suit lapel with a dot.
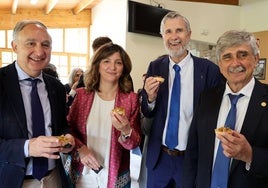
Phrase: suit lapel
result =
(11, 84)
(256, 110)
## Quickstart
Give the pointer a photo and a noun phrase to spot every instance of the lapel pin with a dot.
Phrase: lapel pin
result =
(263, 104)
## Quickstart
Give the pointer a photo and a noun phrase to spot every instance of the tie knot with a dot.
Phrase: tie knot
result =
(34, 81)
(234, 98)
(176, 68)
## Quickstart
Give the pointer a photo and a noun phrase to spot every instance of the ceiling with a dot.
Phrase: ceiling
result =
(48, 5)
(227, 2)
(78, 5)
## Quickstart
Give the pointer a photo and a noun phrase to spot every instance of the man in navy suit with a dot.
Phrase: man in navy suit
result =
(32, 44)
(247, 145)
(164, 164)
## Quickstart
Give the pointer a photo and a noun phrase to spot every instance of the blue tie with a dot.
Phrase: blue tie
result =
(40, 164)
(221, 166)
(174, 112)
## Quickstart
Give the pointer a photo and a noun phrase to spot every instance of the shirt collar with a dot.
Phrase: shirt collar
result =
(182, 63)
(23, 75)
(246, 90)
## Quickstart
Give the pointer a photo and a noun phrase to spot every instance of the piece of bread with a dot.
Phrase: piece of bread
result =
(223, 129)
(159, 79)
(64, 140)
(119, 110)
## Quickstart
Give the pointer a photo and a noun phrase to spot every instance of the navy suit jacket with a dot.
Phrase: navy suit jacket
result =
(206, 75)
(13, 125)
(200, 149)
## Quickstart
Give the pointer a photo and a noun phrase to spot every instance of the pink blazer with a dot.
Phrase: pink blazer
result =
(119, 151)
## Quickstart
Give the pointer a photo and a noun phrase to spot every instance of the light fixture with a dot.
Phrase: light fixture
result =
(33, 2)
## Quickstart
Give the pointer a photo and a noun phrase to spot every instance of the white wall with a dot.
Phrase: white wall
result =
(109, 18)
(254, 15)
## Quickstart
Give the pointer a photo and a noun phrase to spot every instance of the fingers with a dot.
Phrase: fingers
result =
(236, 146)
(120, 122)
(151, 87)
(71, 144)
(87, 158)
(90, 162)
(44, 146)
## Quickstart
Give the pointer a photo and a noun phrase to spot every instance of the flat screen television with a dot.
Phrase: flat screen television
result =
(145, 19)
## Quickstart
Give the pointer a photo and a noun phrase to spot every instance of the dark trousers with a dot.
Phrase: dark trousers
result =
(167, 173)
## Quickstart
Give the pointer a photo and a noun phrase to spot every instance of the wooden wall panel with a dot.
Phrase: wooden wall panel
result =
(263, 38)
(56, 18)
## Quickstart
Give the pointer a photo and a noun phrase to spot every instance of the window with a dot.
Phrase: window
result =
(69, 49)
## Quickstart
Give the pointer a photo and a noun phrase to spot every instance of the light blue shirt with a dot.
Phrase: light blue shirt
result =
(26, 88)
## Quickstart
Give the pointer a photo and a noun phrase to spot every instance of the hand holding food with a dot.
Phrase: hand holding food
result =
(119, 110)
(120, 121)
(159, 79)
(64, 141)
(223, 129)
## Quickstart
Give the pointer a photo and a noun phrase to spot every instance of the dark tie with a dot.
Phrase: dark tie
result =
(221, 166)
(40, 164)
(174, 112)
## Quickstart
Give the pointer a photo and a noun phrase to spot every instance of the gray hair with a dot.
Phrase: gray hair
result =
(173, 15)
(234, 38)
(20, 25)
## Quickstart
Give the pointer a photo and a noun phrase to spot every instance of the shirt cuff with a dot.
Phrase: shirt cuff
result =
(72, 92)
(26, 148)
(151, 105)
(248, 166)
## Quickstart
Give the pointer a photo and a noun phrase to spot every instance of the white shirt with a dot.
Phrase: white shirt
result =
(186, 99)
(99, 127)
(241, 108)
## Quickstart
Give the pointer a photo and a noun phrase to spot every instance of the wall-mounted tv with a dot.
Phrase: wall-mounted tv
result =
(145, 19)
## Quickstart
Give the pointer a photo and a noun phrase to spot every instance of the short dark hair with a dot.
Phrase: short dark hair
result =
(98, 42)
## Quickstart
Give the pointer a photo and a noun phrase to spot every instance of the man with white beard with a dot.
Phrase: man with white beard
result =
(165, 154)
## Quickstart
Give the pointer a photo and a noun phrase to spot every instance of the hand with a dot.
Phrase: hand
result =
(236, 146)
(121, 123)
(75, 85)
(151, 87)
(45, 146)
(87, 158)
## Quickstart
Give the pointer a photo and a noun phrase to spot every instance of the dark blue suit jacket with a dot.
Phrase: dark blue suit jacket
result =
(206, 75)
(13, 126)
(200, 149)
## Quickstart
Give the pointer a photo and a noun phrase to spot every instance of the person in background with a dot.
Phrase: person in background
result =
(71, 87)
(164, 160)
(103, 137)
(246, 146)
(99, 41)
(51, 70)
(20, 144)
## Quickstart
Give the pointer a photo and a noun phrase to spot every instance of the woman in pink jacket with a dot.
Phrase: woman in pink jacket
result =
(104, 137)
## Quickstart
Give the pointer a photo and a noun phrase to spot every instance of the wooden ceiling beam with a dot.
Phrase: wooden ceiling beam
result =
(225, 2)
(14, 6)
(82, 5)
(50, 5)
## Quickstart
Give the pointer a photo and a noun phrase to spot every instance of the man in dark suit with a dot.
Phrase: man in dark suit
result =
(246, 147)
(164, 163)
(19, 148)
